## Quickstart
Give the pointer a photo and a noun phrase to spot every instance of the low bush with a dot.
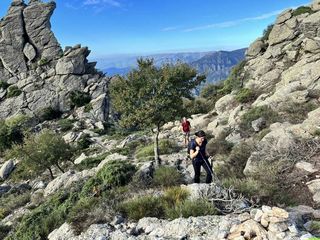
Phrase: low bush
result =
(79, 99)
(13, 91)
(49, 113)
(166, 176)
(116, 173)
(65, 124)
(4, 85)
(146, 206)
(219, 145)
(296, 112)
(245, 95)
(165, 147)
(91, 162)
(11, 202)
(174, 195)
(190, 208)
(88, 107)
(45, 218)
(236, 161)
(4, 230)
(302, 10)
(84, 142)
(235, 79)
(257, 112)
(266, 32)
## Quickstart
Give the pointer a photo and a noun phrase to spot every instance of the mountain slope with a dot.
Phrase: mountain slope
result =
(217, 65)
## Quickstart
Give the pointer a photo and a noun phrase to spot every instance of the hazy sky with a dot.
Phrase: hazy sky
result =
(111, 27)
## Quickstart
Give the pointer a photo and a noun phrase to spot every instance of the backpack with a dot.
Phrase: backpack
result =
(191, 142)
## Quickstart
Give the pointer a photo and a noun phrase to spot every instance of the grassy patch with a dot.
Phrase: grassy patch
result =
(13, 91)
(166, 176)
(65, 124)
(246, 95)
(296, 112)
(302, 10)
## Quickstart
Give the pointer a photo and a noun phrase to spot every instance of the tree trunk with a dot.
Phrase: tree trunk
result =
(51, 174)
(60, 168)
(156, 147)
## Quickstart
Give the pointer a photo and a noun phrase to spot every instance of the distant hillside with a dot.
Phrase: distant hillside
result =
(217, 65)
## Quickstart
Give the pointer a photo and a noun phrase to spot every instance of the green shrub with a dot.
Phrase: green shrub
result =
(45, 218)
(4, 230)
(88, 107)
(4, 85)
(43, 61)
(315, 227)
(91, 162)
(219, 145)
(79, 99)
(190, 208)
(266, 32)
(257, 112)
(245, 95)
(11, 131)
(49, 113)
(165, 147)
(13, 91)
(197, 105)
(40, 152)
(296, 112)
(166, 176)
(235, 80)
(116, 173)
(174, 195)
(302, 10)
(237, 159)
(65, 124)
(12, 202)
(84, 142)
(146, 206)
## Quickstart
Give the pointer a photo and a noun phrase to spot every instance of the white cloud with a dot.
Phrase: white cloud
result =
(112, 3)
(167, 29)
(237, 21)
(234, 22)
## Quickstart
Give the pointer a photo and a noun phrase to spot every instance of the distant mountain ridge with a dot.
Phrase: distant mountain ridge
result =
(216, 65)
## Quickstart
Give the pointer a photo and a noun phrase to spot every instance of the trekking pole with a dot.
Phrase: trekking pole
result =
(206, 164)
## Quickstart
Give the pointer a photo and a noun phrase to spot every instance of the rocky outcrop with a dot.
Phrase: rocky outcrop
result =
(32, 60)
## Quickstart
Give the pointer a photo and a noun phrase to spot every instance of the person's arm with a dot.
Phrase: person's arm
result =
(194, 153)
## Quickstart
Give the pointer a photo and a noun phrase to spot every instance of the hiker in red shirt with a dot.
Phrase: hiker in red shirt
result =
(185, 126)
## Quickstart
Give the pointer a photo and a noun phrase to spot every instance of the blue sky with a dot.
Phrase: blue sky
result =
(112, 27)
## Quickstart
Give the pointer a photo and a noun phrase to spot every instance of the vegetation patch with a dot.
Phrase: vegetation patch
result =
(235, 80)
(245, 95)
(266, 32)
(257, 112)
(65, 124)
(4, 85)
(296, 112)
(49, 113)
(79, 99)
(302, 10)
(41, 152)
(165, 147)
(116, 173)
(166, 176)
(13, 91)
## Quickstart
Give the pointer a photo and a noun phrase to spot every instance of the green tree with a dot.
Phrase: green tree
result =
(149, 96)
(41, 152)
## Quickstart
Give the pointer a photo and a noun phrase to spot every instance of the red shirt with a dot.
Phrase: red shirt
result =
(186, 126)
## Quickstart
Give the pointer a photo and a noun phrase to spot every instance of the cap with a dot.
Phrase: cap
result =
(200, 133)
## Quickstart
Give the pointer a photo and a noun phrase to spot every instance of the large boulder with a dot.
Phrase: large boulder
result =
(6, 169)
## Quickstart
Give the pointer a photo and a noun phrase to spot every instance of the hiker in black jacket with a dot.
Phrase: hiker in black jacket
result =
(199, 156)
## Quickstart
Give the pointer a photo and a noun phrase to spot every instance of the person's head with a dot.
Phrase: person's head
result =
(184, 119)
(200, 136)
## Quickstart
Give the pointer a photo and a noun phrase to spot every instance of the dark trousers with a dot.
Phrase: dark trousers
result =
(197, 166)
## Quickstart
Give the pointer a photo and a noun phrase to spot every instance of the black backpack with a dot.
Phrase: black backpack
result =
(191, 142)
